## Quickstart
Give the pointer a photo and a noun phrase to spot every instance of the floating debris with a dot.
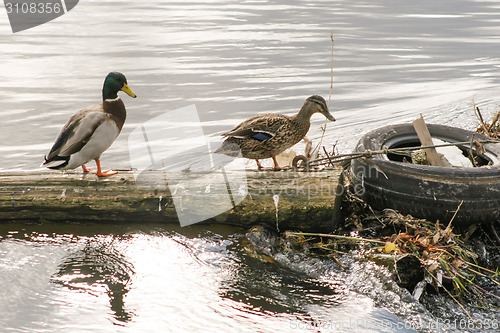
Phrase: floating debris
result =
(491, 129)
(418, 252)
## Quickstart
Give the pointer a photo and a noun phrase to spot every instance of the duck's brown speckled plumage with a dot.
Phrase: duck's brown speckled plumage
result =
(288, 131)
(267, 135)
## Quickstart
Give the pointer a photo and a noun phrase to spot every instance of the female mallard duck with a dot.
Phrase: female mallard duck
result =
(90, 131)
(267, 135)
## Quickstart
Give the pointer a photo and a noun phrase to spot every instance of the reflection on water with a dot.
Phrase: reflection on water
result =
(275, 290)
(392, 61)
(157, 279)
(99, 268)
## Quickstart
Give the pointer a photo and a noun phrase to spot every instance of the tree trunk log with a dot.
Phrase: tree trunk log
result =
(307, 201)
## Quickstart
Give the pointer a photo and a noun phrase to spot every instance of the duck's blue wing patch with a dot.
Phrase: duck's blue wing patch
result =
(259, 136)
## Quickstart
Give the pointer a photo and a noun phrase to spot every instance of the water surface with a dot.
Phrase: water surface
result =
(392, 61)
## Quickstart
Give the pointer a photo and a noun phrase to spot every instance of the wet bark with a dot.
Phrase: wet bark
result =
(307, 201)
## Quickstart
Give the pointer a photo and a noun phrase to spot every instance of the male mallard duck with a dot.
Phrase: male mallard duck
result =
(267, 135)
(90, 131)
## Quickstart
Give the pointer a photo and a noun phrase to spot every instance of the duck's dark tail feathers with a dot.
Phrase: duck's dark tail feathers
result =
(56, 162)
(229, 148)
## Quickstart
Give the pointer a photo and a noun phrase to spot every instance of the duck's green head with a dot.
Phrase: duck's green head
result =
(318, 104)
(113, 83)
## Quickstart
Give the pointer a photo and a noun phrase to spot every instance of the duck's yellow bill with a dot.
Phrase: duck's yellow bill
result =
(128, 91)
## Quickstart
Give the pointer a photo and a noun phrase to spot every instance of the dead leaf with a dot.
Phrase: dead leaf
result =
(433, 266)
(389, 247)
(436, 238)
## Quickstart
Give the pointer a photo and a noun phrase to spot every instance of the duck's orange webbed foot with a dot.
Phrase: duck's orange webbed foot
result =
(276, 165)
(101, 173)
(87, 170)
(259, 166)
(106, 173)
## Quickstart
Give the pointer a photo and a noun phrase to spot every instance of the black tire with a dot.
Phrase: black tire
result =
(429, 192)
